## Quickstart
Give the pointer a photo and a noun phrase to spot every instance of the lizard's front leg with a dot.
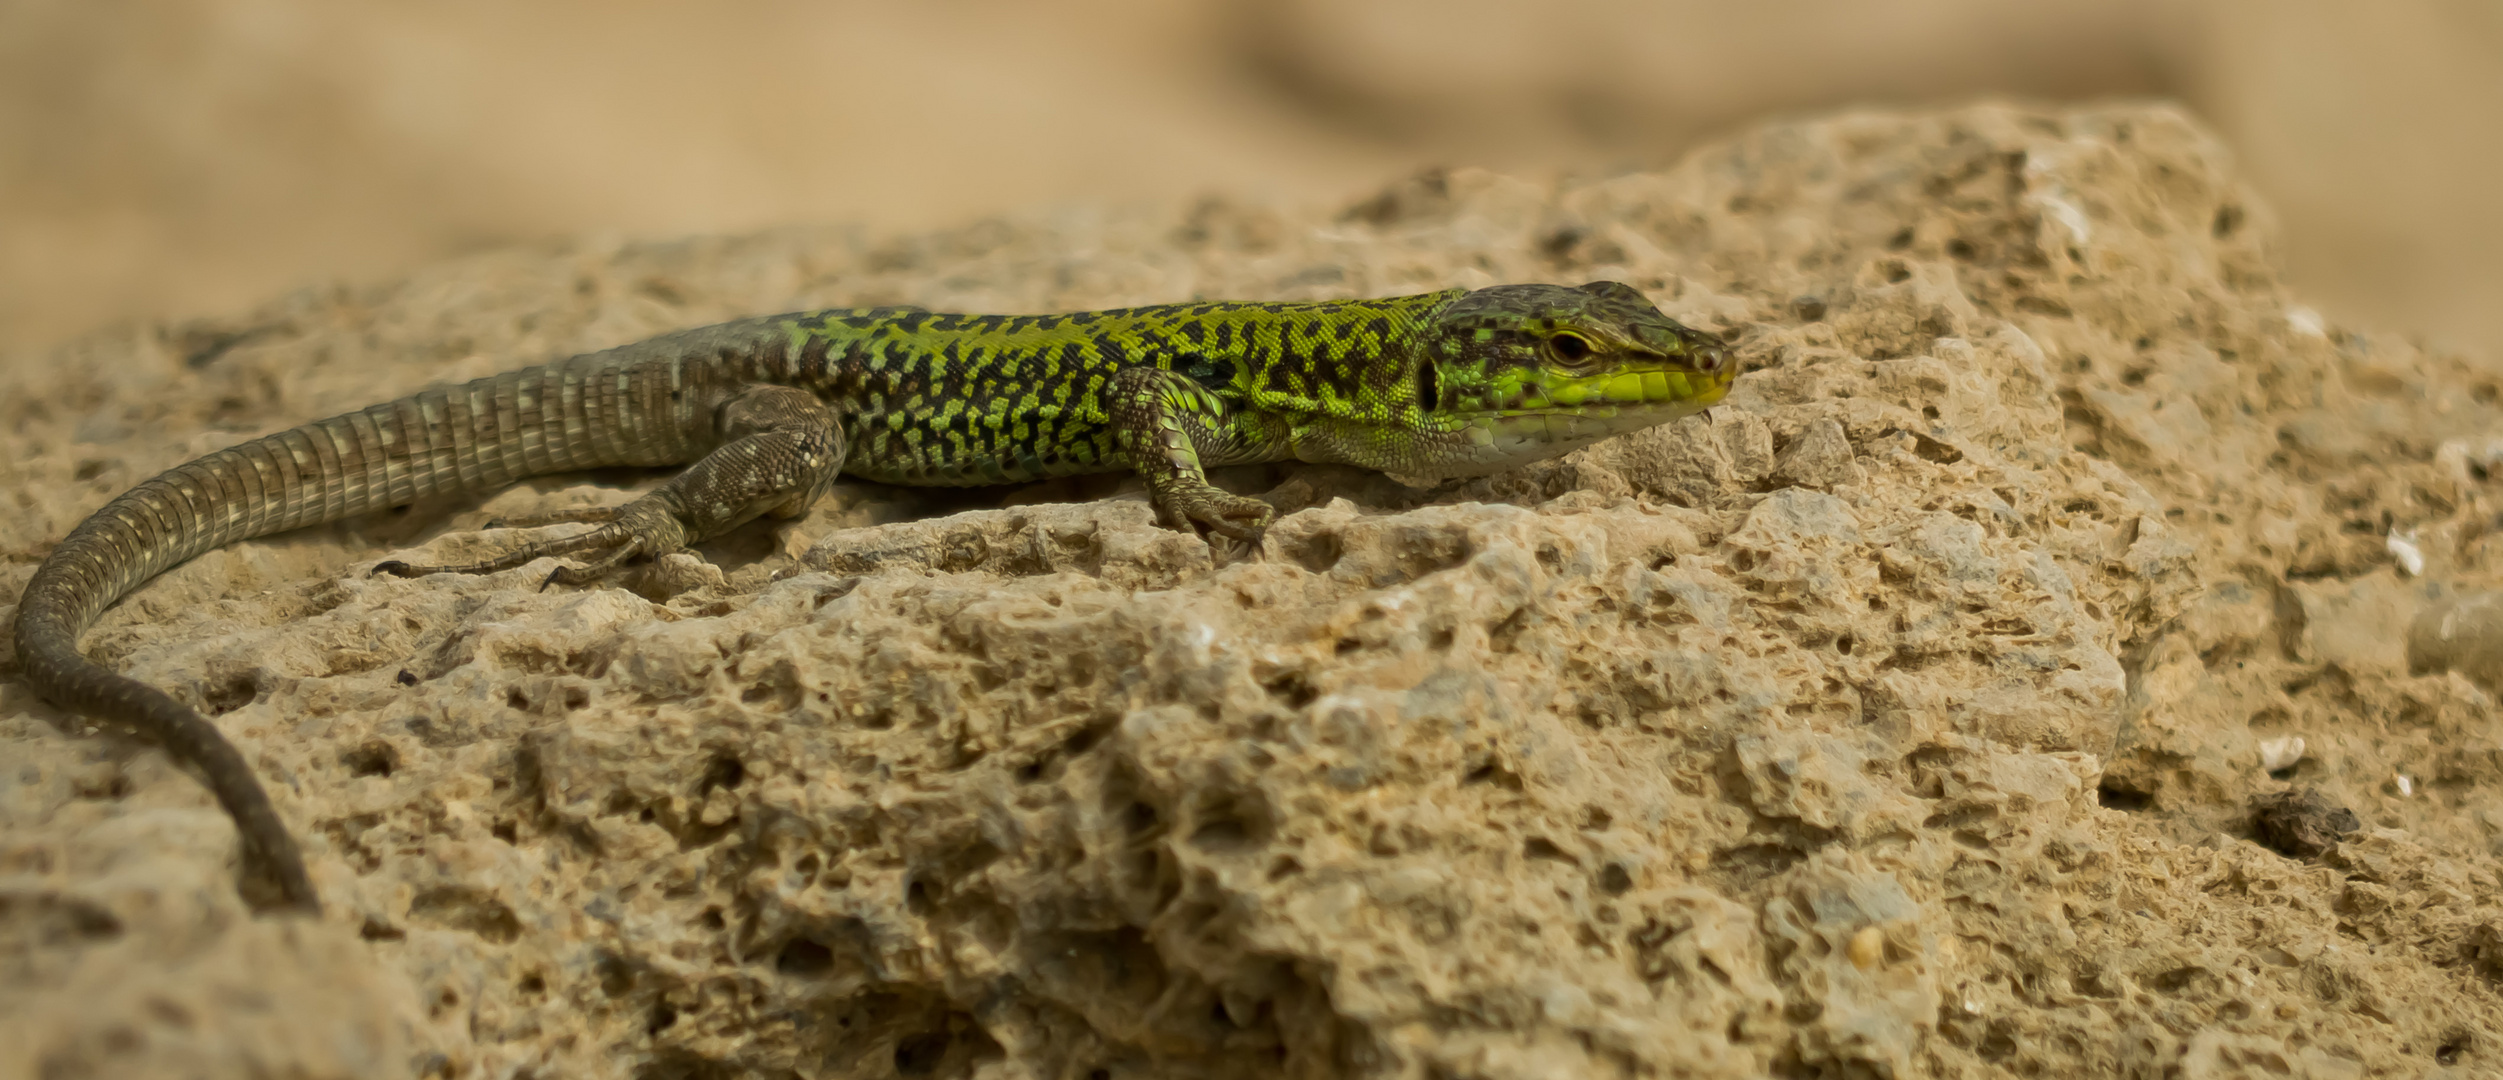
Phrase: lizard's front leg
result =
(1166, 423)
(780, 448)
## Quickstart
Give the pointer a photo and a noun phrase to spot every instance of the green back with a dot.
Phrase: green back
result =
(1438, 384)
(932, 398)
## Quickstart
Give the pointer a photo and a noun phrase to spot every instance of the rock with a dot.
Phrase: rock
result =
(2462, 633)
(2298, 823)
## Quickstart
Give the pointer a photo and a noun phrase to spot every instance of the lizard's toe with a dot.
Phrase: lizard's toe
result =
(1237, 518)
(1233, 528)
(1224, 551)
(1218, 514)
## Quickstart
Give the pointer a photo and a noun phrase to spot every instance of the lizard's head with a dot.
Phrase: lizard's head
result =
(1515, 373)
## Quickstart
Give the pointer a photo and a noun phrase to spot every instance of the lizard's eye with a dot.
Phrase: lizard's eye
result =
(1571, 349)
(1429, 386)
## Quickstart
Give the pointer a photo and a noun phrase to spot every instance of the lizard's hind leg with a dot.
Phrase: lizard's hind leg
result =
(780, 448)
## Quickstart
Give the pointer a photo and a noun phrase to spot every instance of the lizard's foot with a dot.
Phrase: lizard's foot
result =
(585, 575)
(642, 527)
(1232, 524)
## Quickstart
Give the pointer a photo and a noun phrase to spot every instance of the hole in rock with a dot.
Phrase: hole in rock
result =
(376, 758)
(2114, 796)
(803, 958)
(1614, 880)
(920, 1054)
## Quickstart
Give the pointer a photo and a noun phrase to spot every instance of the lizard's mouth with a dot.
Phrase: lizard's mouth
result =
(1546, 413)
(1644, 387)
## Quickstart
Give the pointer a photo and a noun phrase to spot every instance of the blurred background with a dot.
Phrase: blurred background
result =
(186, 157)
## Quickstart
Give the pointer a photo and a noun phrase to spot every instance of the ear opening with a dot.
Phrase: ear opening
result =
(1429, 386)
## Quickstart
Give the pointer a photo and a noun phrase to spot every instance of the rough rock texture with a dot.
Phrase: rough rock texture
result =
(1905, 716)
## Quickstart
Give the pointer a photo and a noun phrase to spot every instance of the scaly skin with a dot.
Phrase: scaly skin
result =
(771, 410)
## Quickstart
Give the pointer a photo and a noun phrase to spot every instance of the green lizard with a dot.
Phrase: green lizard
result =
(770, 410)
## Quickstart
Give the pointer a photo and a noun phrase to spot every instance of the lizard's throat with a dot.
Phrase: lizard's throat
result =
(1518, 420)
(1489, 442)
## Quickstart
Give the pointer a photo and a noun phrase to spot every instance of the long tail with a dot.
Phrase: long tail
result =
(621, 407)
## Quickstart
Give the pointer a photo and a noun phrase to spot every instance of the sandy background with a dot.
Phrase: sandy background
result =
(185, 157)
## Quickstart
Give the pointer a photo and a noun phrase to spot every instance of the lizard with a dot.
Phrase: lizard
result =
(765, 413)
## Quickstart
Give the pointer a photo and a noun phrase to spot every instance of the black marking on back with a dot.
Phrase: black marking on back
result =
(1209, 371)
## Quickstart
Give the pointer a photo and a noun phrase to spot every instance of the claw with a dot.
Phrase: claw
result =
(1225, 551)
